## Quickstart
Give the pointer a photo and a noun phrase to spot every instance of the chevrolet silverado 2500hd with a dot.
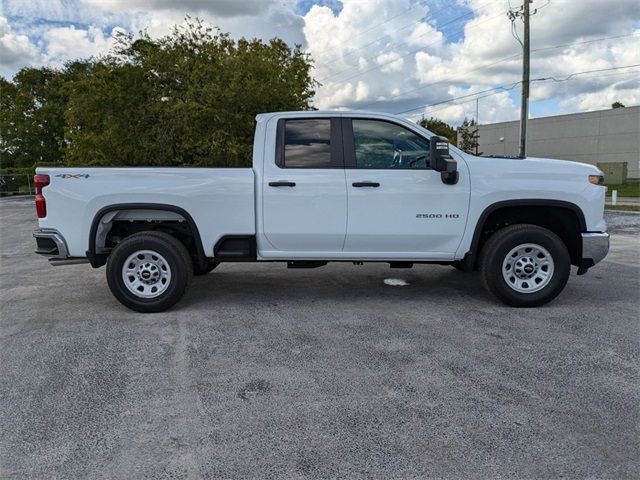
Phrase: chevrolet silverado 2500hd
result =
(329, 187)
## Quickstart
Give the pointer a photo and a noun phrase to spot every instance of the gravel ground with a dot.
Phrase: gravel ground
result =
(263, 372)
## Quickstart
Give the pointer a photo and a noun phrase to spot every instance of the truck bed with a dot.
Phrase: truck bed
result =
(220, 200)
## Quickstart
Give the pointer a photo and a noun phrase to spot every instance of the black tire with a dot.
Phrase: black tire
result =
(211, 264)
(170, 250)
(501, 243)
(458, 266)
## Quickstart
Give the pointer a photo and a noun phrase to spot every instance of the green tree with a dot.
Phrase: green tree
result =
(468, 135)
(189, 98)
(617, 105)
(32, 119)
(439, 128)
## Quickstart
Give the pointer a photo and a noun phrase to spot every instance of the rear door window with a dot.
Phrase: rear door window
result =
(307, 143)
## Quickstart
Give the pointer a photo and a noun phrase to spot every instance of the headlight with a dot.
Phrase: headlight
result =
(596, 179)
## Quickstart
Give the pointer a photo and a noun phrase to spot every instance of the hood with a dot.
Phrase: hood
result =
(553, 163)
(542, 165)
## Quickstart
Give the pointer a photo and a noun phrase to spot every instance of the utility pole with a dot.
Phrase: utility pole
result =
(525, 13)
(524, 104)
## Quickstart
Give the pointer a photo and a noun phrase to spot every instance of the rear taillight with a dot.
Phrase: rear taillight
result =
(40, 181)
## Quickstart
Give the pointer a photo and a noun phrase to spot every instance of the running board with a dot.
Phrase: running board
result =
(306, 264)
(57, 262)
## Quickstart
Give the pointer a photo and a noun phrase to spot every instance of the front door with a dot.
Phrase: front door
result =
(304, 190)
(397, 206)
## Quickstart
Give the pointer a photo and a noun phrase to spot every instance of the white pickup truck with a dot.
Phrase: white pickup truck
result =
(329, 187)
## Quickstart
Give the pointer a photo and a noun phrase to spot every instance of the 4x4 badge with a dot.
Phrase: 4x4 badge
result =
(72, 175)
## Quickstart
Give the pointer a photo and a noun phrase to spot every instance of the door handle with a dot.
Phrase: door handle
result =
(282, 184)
(365, 184)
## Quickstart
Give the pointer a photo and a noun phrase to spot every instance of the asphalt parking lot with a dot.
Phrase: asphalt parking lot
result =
(264, 372)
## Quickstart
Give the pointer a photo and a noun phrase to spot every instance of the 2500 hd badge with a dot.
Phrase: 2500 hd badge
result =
(437, 215)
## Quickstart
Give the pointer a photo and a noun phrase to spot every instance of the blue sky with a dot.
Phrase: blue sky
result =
(446, 10)
(303, 6)
(414, 57)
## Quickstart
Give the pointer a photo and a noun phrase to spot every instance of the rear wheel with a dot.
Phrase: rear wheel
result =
(525, 265)
(149, 271)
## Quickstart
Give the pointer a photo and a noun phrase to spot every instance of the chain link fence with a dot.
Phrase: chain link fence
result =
(16, 184)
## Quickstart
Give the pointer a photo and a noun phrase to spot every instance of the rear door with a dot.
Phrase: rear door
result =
(304, 190)
(397, 206)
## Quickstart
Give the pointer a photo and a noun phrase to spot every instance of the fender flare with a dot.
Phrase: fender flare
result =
(470, 257)
(97, 260)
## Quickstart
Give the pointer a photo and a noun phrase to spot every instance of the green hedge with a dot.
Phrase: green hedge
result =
(19, 181)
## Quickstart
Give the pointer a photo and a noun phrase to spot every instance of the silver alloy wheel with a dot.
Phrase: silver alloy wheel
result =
(146, 274)
(528, 268)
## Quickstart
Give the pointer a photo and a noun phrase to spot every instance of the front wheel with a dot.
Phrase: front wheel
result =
(525, 265)
(149, 271)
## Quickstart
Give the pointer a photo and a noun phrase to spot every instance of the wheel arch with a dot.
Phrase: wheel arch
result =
(97, 259)
(529, 212)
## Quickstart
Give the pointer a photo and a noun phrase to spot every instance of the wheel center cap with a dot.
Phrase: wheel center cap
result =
(145, 274)
(528, 269)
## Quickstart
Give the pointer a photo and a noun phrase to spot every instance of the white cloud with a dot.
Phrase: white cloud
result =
(69, 42)
(601, 91)
(495, 108)
(59, 11)
(594, 101)
(391, 55)
(345, 95)
(16, 50)
(262, 19)
(70, 29)
(222, 8)
(358, 43)
(424, 35)
(486, 56)
(390, 62)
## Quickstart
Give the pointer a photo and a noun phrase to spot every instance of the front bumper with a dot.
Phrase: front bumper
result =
(595, 246)
(51, 243)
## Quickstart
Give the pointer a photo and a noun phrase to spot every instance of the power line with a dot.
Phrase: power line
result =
(584, 42)
(392, 18)
(482, 67)
(580, 73)
(416, 50)
(407, 54)
(513, 85)
(403, 43)
(447, 80)
(429, 16)
(432, 111)
(515, 13)
(443, 105)
(501, 88)
(423, 20)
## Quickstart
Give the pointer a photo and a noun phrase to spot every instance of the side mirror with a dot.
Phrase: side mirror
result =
(440, 160)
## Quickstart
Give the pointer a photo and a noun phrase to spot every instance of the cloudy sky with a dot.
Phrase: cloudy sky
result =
(413, 57)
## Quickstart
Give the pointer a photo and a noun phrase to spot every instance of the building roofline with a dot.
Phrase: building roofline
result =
(591, 112)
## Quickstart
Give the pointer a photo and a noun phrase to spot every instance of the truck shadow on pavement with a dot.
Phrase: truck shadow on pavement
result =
(368, 285)
(230, 284)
